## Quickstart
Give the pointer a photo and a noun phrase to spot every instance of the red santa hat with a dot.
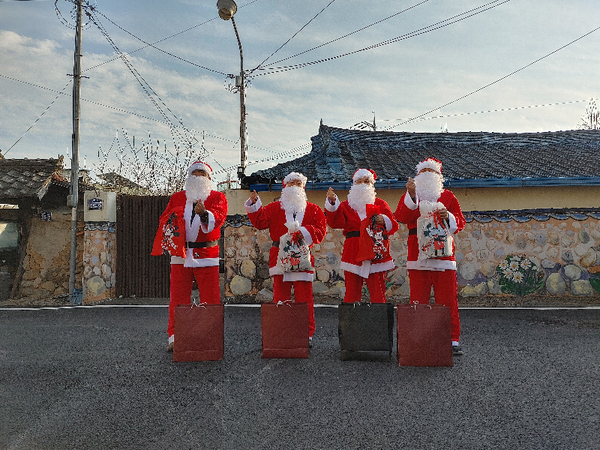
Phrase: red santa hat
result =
(430, 163)
(199, 165)
(361, 173)
(295, 176)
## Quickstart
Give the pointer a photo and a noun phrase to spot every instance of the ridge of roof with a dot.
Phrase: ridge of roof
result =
(469, 156)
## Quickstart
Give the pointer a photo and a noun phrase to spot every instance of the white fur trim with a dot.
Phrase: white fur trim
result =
(295, 176)
(429, 164)
(361, 173)
(332, 208)
(299, 276)
(199, 165)
(252, 208)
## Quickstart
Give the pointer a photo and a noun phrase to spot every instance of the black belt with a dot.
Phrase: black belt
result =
(275, 244)
(352, 234)
(412, 231)
(201, 244)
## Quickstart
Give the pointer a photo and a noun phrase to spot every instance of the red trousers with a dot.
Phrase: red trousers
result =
(445, 288)
(375, 284)
(303, 293)
(182, 279)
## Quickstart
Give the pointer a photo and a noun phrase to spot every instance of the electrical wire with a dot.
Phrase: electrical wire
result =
(496, 81)
(150, 93)
(346, 35)
(153, 44)
(268, 70)
(514, 108)
(40, 116)
(295, 34)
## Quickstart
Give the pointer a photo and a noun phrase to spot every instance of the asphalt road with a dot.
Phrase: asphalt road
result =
(99, 378)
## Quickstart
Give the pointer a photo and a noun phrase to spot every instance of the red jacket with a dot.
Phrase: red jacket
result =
(347, 219)
(273, 217)
(409, 216)
(197, 232)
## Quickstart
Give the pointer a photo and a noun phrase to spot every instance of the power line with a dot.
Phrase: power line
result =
(514, 108)
(436, 26)
(39, 117)
(496, 81)
(346, 35)
(295, 34)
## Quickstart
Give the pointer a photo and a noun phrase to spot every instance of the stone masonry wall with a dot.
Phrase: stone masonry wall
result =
(47, 262)
(547, 256)
(99, 261)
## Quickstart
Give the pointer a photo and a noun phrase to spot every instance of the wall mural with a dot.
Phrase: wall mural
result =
(499, 253)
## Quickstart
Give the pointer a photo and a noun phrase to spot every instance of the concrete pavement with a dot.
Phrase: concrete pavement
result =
(99, 378)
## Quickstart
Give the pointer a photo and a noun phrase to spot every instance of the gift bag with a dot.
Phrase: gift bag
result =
(435, 240)
(284, 330)
(424, 335)
(294, 253)
(366, 331)
(198, 333)
(170, 237)
(373, 244)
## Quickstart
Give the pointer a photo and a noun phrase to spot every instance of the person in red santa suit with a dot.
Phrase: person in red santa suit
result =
(290, 214)
(348, 216)
(424, 195)
(204, 212)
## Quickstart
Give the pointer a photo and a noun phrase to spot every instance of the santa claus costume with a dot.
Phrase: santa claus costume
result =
(290, 214)
(439, 272)
(202, 234)
(349, 216)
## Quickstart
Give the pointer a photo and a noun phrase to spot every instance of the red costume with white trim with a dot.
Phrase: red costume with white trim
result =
(437, 272)
(312, 226)
(201, 261)
(343, 216)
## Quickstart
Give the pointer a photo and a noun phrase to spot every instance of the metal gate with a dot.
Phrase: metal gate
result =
(138, 273)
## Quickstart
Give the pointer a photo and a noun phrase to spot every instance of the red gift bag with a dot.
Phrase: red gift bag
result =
(373, 244)
(284, 330)
(424, 337)
(170, 237)
(198, 333)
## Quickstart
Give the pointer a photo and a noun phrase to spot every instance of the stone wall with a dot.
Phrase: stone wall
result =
(520, 253)
(99, 261)
(46, 267)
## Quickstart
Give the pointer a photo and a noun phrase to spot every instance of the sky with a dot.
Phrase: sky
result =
(413, 65)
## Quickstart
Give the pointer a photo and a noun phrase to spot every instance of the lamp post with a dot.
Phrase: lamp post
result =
(227, 9)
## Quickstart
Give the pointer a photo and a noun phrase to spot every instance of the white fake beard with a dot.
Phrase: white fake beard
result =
(293, 199)
(197, 188)
(360, 196)
(429, 186)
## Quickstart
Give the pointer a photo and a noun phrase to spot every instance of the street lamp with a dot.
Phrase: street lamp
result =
(227, 9)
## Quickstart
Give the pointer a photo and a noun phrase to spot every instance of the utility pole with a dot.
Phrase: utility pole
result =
(73, 198)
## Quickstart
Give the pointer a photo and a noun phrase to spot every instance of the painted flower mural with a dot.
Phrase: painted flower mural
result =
(519, 275)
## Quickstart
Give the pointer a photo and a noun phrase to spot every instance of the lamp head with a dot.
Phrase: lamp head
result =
(227, 8)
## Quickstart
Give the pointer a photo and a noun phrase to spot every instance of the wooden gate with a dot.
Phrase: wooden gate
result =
(138, 273)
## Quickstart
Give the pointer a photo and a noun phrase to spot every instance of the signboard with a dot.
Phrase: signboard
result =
(95, 203)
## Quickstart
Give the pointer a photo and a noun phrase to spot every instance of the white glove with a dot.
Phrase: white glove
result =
(293, 226)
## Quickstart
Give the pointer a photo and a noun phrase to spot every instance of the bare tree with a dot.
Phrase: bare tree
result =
(147, 169)
(591, 119)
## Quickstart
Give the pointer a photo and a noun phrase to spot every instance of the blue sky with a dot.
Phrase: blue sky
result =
(410, 77)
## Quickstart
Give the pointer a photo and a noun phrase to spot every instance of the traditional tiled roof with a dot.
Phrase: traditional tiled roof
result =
(337, 153)
(27, 178)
